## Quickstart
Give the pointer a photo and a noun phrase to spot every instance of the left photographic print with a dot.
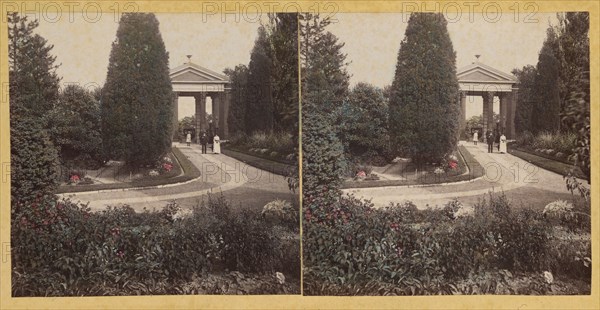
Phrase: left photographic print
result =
(153, 154)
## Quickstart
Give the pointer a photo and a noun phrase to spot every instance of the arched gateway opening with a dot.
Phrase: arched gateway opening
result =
(192, 80)
(478, 79)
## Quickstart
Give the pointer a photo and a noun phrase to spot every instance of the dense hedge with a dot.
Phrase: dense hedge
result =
(60, 248)
(406, 251)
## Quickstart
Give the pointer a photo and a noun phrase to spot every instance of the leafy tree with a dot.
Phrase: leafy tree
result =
(136, 101)
(526, 98)
(323, 158)
(238, 78)
(76, 126)
(424, 108)
(284, 71)
(365, 124)
(185, 124)
(33, 80)
(259, 104)
(547, 104)
(572, 52)
(323, 62)
(33, 90)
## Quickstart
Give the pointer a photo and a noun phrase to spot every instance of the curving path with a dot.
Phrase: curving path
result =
(523, 183)
(243, 185)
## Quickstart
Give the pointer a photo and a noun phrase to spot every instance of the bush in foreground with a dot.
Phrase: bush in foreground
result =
(405, 251)
(60, 248)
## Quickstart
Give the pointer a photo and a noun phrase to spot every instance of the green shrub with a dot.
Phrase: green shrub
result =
(83, 252)
(421, 251)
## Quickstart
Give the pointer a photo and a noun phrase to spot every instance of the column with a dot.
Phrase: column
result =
(175, 108)
(216, 102)
(463, 113)
(512, 110)
(488, 113)
(200, 99)
(503, 111)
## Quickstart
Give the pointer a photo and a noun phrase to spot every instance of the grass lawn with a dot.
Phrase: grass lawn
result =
(259, 161)
(468, 169)
(546, 163)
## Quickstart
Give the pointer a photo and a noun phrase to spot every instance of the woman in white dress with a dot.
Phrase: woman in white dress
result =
(188, 138)
(216, 145)
(475, 137)
(502, 144)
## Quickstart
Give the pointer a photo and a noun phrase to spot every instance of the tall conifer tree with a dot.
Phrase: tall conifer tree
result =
(136, 102)
(424, 106)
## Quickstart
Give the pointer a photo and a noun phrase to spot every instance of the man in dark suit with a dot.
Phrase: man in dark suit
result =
(204, 142)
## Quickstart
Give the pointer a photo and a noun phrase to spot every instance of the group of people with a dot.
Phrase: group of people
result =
(204, 140)
(491, 137)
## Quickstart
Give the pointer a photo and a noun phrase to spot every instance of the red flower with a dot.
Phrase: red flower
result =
(74, 178)
(453, 165)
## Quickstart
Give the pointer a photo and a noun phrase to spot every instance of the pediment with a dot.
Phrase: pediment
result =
(192, 73)
(478, 72)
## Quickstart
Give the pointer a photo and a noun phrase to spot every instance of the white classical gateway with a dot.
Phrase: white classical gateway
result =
(192, 80)
(478, 79)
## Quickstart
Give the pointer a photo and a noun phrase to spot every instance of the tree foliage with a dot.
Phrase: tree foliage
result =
(284, 71)
(259, 106)
(76, 126)
(33, 89)
(323, 158)
(137, 96)
(547, 104)
(526, 98)
(424, 107)
(238, 78)
(365, 120)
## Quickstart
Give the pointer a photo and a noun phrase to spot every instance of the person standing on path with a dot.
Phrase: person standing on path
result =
(502, 146)
(490, 141)
(497, 138)
(216, 144)
(203, 141)
(475, 137)
(188, 138)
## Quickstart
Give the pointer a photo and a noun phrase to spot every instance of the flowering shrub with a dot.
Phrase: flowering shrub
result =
(439, 170)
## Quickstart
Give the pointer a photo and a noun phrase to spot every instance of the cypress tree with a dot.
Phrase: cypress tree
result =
(424, 107)
(236, 119)
(526, 98)
(547, 105)
(284, 71)
(136, 99)
(259, 104)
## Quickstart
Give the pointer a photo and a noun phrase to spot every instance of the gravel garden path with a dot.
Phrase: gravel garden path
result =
(240, 183)
(520, 181)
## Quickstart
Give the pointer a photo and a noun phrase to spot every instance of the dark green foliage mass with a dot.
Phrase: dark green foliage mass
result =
(526, 98)
(259, 104)
(137, 96)
(547, 105)
(424, 109)
(76, 126)
(33, 89)
(365, 116)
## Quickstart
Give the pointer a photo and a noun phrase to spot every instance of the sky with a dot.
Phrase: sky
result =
(82, 48)
(372, 41)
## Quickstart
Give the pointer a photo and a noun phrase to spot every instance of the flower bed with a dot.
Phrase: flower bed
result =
(180, 163)
(462, 167)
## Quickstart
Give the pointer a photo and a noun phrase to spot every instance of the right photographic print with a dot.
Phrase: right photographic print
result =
(446, 153)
